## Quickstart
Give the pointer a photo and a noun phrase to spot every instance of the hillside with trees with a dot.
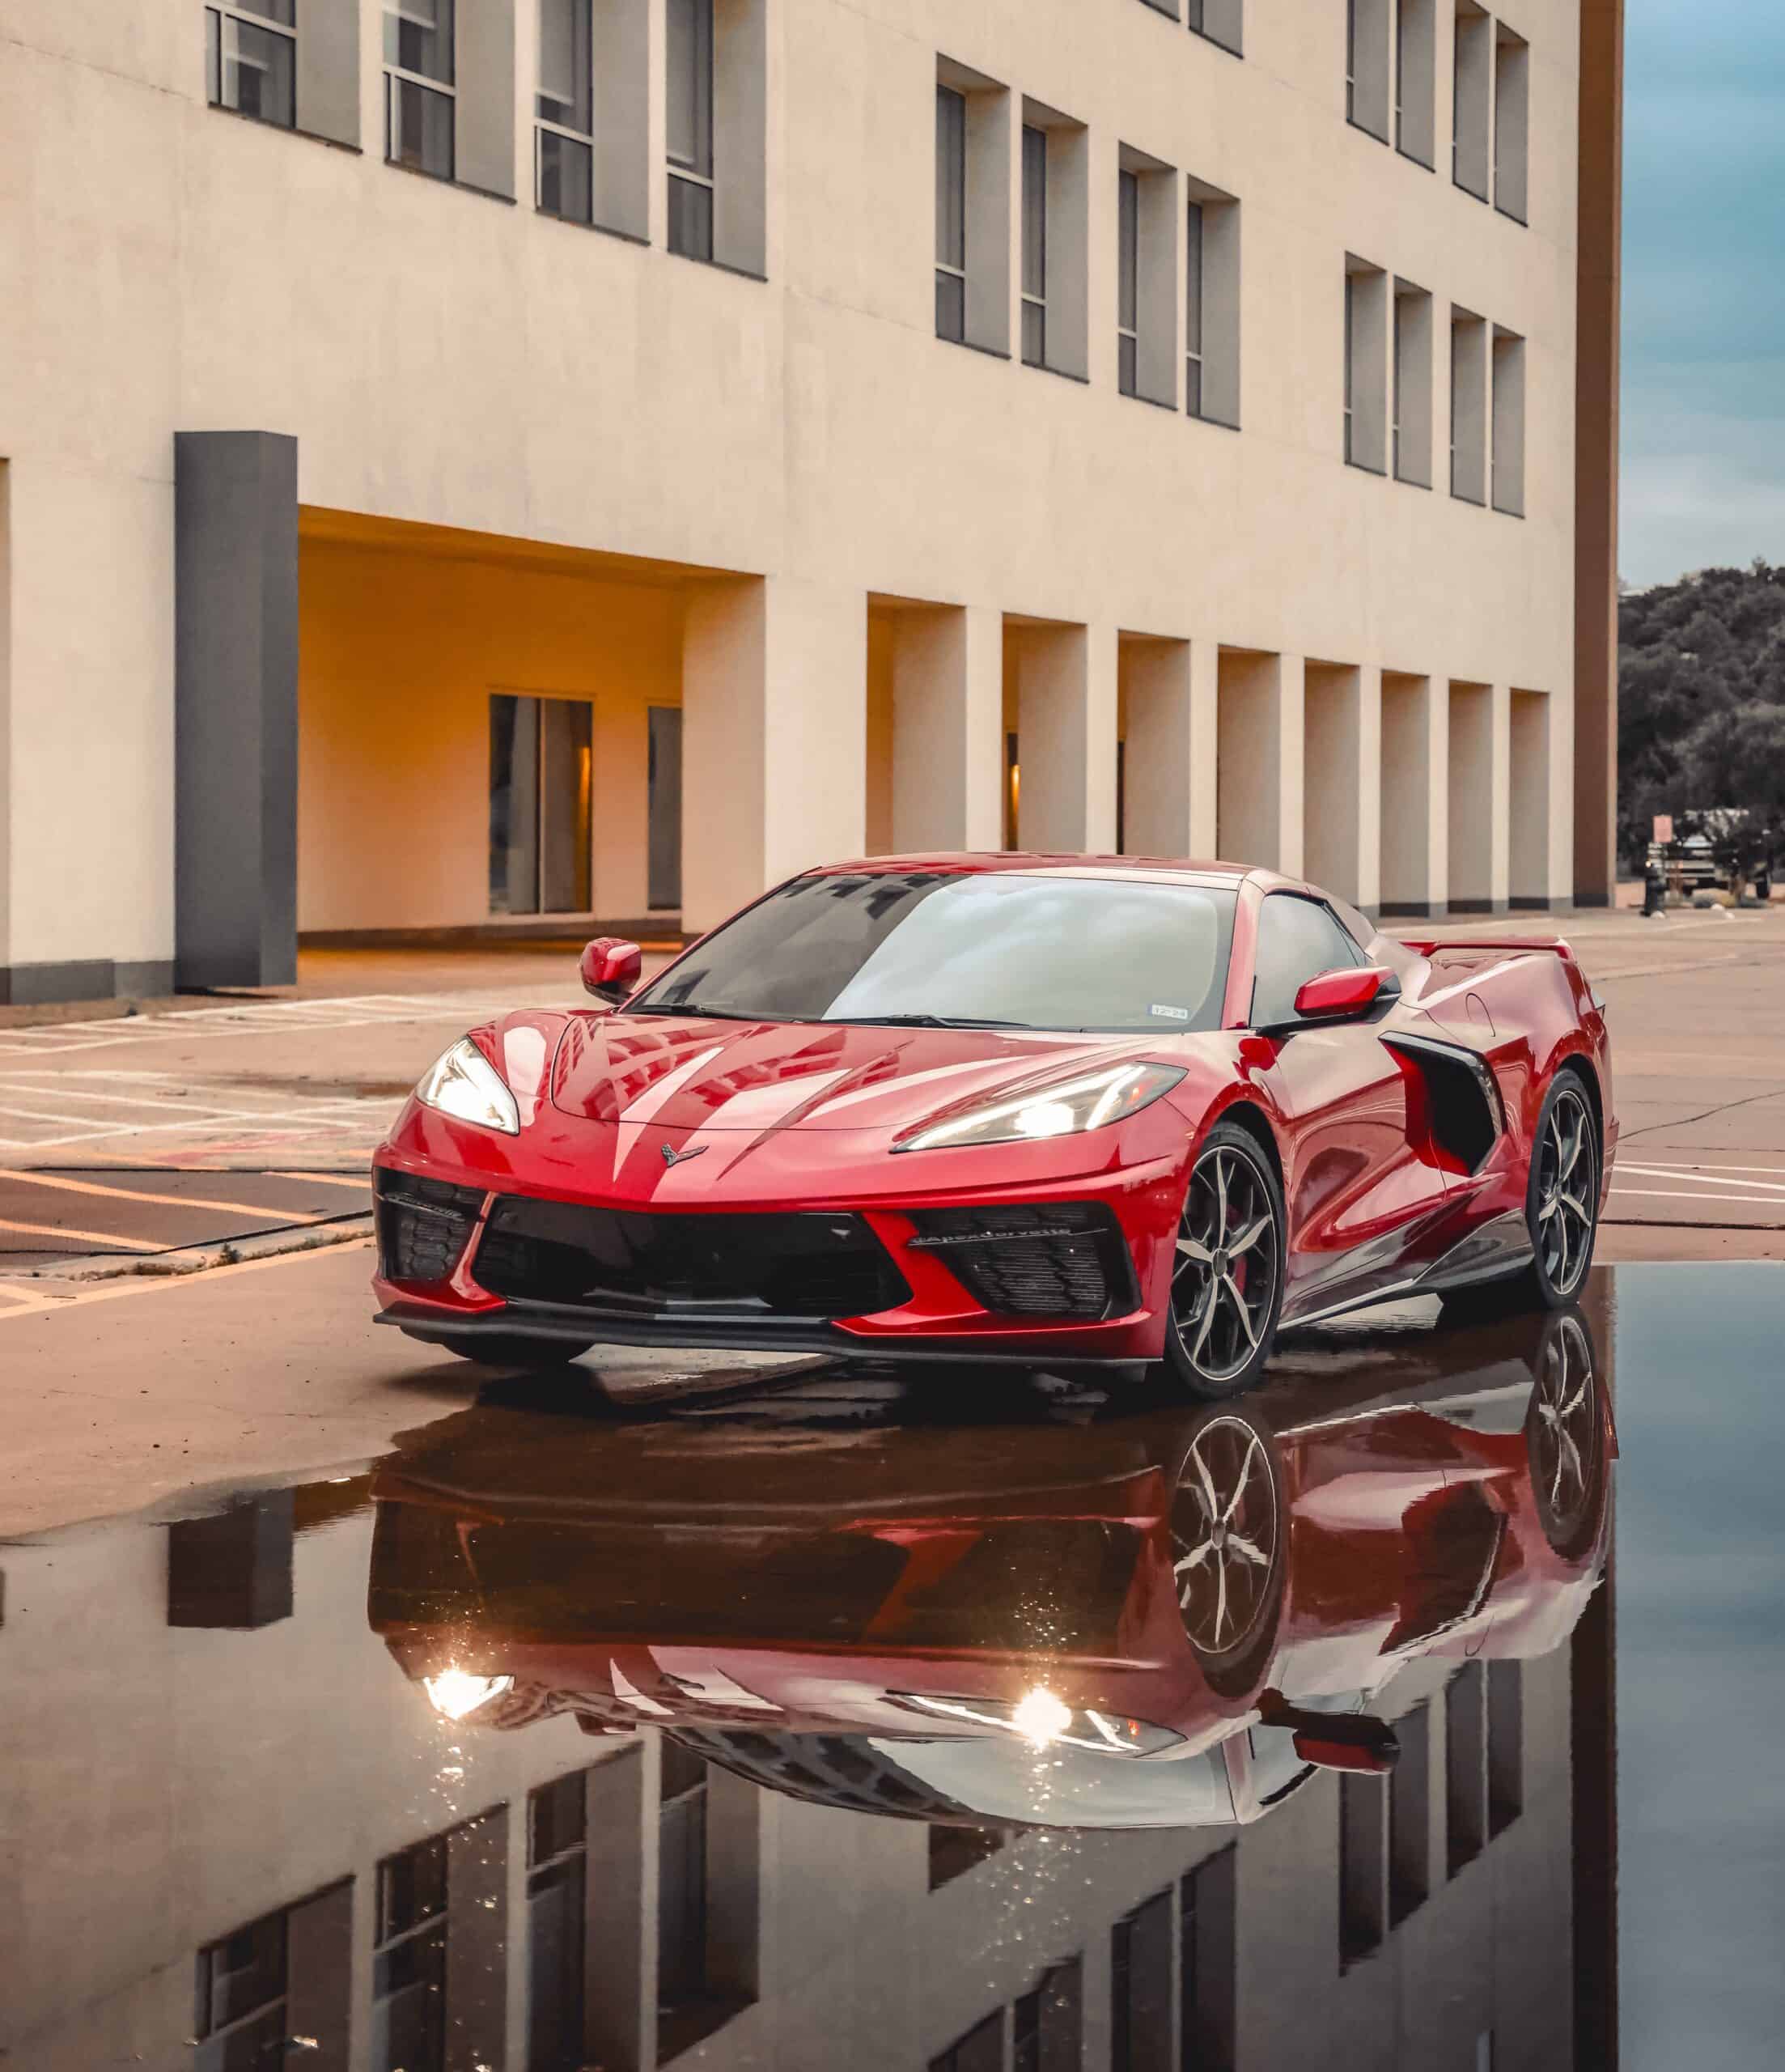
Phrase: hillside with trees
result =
(1701, 700)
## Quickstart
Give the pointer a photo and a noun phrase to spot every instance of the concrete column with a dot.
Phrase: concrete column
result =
(1415, 797)
(1260, 759)
(236, 581)
(1343, 759)
(1161, 749)
(1067, 737)
(947, 751)
(1477, 798)
(775, 736)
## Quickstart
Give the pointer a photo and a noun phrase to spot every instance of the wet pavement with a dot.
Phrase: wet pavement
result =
(1416, 1711)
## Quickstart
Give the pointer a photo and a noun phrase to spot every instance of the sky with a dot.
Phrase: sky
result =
(1703, 402)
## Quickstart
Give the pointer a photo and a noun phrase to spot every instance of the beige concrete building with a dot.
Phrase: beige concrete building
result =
(464, 464)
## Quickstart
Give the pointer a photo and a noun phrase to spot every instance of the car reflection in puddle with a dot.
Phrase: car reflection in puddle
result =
(1165, 1620)
(856, 1719)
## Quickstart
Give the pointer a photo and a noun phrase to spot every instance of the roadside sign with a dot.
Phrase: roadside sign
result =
(1663, 827)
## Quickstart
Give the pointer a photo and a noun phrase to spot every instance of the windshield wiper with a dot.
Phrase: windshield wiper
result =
(926, 1021)
(715, 1013)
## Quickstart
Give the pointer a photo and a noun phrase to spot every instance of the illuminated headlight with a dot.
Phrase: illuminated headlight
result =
(1045, 1721)
(456, 1694)
(464, 1084)
(1068, 1110)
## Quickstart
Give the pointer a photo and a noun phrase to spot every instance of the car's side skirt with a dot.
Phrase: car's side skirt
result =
(1494, 1250)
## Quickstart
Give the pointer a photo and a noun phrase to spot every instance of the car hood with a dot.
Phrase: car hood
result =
(689, 1073)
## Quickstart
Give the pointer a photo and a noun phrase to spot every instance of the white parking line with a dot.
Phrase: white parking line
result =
(1682, 1194)
(1763, 1188)
(263, 1017)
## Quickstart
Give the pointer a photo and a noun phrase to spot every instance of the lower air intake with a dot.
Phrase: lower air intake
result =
(1065, 1259)
(423, 1225)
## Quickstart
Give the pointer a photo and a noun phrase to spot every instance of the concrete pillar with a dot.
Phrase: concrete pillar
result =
(1066, 737)
(1260, 759)
(1415, 796)
(1342, 762)
(236, 751)
(1162, 747)
(775, 736)
(1531, 869)
(947, 751)
(1477, 798)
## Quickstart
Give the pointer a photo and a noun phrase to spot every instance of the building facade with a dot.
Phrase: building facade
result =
(467, 464)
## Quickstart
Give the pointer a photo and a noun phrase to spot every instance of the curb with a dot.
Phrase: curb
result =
(198, 1258)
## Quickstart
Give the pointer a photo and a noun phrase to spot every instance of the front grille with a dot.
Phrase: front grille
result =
(1054, 1259)
(423, 1225)
(797, 1265)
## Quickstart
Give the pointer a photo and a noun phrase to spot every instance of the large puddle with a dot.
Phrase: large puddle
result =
(901, 1720)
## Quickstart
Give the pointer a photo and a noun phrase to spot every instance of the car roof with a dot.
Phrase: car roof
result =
(1178, 869)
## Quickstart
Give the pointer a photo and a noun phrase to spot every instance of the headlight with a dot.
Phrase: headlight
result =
(1076, 1105)
(1044, 1721)
(463, 1083)
(456, 1694)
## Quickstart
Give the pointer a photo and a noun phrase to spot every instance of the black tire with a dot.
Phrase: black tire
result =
(1230, 1548)
(1563, 1232)
(1227, 1274)
(500, 1349)
(1565, 1438)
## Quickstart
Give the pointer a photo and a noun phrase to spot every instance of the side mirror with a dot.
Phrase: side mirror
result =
(1338, 995)
(610, 968)
(1336, 1740)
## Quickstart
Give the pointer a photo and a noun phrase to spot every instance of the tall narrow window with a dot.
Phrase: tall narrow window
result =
(1034, 247)
(981, 2049)
(1127, 282)
(1366, 366)
(1409, 1829)
(1508, 445)
(1415, 81)
(1511, 123)
(1140, 1987)
(1046, 2024)
(419, 85)
(251, 51)
(1411, 362)
(1193, 313)
(681, 1880)
(1466, 1766)
(541, 771)
(564, 136)
(1363, 1880)
(689, 78)
(1367, 95)
(1221, 21)
(239, 1997)
(951, 214)
(1468, 407)
(1471, 94)
(556, 1868)
(663, 806)
(1505, 1744)
(408, 1960)
(1207, 1963)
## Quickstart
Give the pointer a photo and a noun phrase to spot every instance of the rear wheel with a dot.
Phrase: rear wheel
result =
(1228, 1529)
(1227, 1274)
(501, 1349)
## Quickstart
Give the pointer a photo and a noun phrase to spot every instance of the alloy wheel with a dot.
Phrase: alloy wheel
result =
(1224, 1276)
(1225, 1533)
(1564, 1427)
(1567, 1193)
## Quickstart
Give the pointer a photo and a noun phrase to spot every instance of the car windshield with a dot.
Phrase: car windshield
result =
(997, 949)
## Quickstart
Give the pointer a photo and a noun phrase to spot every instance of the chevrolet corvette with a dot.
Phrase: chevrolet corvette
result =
(1061, 1109)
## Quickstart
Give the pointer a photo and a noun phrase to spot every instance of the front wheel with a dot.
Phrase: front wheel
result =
(1227, 1272)
(503, 1349)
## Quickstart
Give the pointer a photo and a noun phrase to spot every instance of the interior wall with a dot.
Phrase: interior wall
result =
(399, 654)
(882, 645)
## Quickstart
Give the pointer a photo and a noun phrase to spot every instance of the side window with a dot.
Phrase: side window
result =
(1297, 940)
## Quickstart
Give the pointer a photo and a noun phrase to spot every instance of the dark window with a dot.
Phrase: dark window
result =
(664, 808)
(981, 2049)
(1193, 314)
(1140, 1987)
(951, 214)
(1297, 940)
(419, 84)
(681, 1878)
(1505, 1744)
(556, 1839)
(1410, 1825)
(1466, 1766)
(565, 112)
(251, 52)
(1034, 247)
(1047, 2024)
(1128, 281)
(541, 772)
(688, 83)
(408, 1960)
(1364, 1883)
(1207, 1901)
(954, 1851)
(238, 2016)
(1043, 952)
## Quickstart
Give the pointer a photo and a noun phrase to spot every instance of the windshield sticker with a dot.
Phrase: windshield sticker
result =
(1169, 1013)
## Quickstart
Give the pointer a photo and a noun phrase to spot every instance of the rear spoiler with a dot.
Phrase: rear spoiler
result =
(1426, 945)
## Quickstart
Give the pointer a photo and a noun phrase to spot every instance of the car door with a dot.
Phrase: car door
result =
(1356, 1192)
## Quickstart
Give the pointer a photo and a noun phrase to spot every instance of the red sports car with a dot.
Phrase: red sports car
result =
(1054, 1109)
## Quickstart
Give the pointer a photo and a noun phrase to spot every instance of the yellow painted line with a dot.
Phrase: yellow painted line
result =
(85, 1237)
(326, 1179)
(156, 1284)
(167, 1201)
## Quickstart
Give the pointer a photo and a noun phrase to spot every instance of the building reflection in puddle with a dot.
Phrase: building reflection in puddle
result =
(836, 1724)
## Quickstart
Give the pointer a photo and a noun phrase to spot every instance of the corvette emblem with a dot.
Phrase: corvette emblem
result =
(672, 1157)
